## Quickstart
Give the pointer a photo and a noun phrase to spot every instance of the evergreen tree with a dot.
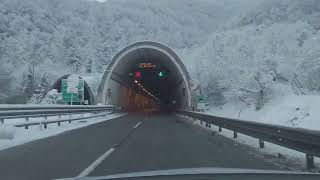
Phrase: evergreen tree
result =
(28, 84)
(44, 86)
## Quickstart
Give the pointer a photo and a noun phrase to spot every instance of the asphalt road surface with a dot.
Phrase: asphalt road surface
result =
(137, 143)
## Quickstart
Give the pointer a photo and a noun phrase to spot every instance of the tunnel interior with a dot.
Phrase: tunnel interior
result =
(147, 78)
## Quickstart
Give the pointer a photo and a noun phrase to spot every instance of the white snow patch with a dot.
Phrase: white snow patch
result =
(6, 132)
(93, 81)
(292, 111)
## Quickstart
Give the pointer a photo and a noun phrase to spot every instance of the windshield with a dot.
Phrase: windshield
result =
(104, 87)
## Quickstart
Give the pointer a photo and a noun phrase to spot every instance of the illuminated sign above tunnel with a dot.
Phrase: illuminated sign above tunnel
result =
(147, 65)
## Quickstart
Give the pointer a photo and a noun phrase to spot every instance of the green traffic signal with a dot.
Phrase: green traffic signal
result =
(161, 74)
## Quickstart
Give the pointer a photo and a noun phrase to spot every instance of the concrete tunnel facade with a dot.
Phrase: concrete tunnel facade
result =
(118, 87)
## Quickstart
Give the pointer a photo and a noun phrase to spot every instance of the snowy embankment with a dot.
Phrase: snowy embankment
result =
(292, 111)
(11, 136)
(271, 152)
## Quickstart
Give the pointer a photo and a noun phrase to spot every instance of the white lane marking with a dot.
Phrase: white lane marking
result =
(137, 125)
(96, 163)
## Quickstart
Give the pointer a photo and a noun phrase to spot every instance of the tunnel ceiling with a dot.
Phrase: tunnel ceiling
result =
(126, 63)
(145, 55)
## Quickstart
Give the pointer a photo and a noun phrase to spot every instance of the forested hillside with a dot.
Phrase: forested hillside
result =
(273, 50)
(247, 51)
(62, 36)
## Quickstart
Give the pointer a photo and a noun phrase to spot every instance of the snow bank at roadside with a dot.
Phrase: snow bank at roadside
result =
(6, 132)
(279, 155)
(292, 111)
(11, 136)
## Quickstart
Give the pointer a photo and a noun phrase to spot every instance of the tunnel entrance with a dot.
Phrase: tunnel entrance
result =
(146, 76)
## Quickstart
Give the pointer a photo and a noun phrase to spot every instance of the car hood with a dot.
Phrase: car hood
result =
(189, 171)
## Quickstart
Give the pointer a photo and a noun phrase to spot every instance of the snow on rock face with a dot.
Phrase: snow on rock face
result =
(93, 80)
(292, 111)
(7, 132)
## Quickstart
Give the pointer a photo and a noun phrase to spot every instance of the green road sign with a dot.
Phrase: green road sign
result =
(76, 96)
(200, 99)
(161, 74)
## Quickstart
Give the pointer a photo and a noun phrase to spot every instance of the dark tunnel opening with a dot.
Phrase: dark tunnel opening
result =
(146, 76)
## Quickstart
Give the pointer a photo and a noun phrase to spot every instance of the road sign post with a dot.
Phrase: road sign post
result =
(201, 105)
(71, 98)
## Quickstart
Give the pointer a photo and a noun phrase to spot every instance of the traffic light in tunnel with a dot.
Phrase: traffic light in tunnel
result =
(161, 74)
(137, 74)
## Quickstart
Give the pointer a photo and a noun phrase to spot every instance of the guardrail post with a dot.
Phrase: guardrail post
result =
(45, 125)
(261, 143)
(70, 115)
(310, 161)
(26, 127)
(2, 121)
(235, 134)
(220, 129)
(59, 123)
(27, 118)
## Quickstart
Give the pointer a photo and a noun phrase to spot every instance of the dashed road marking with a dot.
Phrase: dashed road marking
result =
(137, 125)
(96, 163)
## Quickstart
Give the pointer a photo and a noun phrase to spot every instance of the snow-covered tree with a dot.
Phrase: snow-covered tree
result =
(44, 85)
(52, 97)
(225, 43)
(28, 84)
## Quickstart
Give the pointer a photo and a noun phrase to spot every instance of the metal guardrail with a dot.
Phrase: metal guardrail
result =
(45, 123)
(302, 140)
(9, 107)
(27, 112)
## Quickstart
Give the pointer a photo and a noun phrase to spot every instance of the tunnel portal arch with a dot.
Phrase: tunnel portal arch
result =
(138, 52)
